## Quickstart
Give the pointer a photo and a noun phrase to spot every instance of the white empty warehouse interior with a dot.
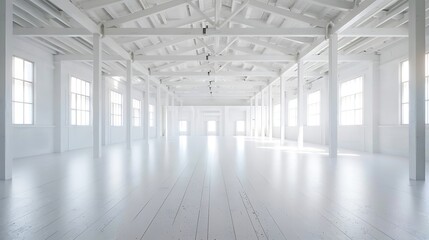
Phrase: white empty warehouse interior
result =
(213, 119)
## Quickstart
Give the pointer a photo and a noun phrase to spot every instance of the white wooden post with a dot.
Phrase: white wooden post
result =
(129, 102)
(97, 61)
(417, 51)
(270, 111)
(6, 22)
(60, 95)
(333, 95)
(158, 111)
(146, 109)
(300, 99)
(282, 109)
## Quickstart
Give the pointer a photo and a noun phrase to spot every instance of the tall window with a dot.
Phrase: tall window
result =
(22, 95)
(292, 112)
(313, 109)
(183, 126)
(351, 102)
(79, 102)
(115, 109)
(151, 116)
(276, 115)
(240, 127)
(211, 127)
(137, 108)
(405, 91)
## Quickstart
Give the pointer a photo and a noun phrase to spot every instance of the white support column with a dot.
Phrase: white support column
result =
(259, 114)
(324, 114)
(282, 109)
(6, 23)
(165, 117)
(60, 95)
(417, 51)
(146, 109)
(158, 111)
(225, 119)
(333, 95)
(270, 111)
(257, 108)
(104, 111)
(251, 117)
(300, 98)
(263, 113)
(129, 103)
(173, 117)
(97, 61)
(371, 103)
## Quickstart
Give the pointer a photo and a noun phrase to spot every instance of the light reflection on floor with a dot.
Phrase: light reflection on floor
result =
(309, 195)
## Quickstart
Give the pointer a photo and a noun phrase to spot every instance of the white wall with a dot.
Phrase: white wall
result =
(393, 136)
(349, 137)
(197, 117)
(75, 136)
(37, 138)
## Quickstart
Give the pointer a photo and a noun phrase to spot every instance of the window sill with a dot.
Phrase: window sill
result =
(32, 126)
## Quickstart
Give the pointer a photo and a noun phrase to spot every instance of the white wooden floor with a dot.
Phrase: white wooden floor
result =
(213, 188)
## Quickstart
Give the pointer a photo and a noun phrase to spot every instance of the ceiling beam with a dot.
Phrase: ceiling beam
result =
(363, 10)
(216, 74)
(51, 32)
(336, 4)
(286, 13)
(268, 45)
(80, 57)
(217, 83)
(94, 4)
(202, 32)
(343, 58)
(375, 32)
(227, 58)
(144, 13)
(86, 22)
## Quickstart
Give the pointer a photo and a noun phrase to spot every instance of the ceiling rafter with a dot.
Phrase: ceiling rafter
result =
(282, 12)
(144, 13)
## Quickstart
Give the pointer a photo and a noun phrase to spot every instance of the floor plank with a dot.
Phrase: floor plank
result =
(213, 188)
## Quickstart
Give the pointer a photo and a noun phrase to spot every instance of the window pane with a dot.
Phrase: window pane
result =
(211, 126)
(28, 113)
(28, 92)
(28, 68)
(79, 101)
(18, 113)
(18, 91)
(240, 126)
(405, 113)
(18, 68)
(405, 92)
(404, 71)
(183, 126)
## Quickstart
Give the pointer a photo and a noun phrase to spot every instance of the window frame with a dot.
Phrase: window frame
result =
(135, 116)
(277, 115)
(70, 102)
(295, 112)
(112, 114)
(180, 127)
(33, 92)
(151, 112)
(215, 127)
(308, 108)
(236, 127)
(362, 77)
(401, 88)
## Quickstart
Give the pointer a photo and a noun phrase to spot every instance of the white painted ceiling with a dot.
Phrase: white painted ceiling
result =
(239, 64)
